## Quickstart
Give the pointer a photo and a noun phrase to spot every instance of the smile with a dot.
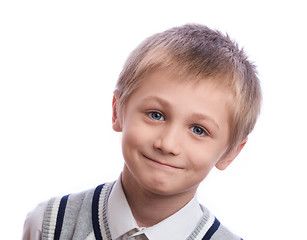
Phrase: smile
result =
(162, 163)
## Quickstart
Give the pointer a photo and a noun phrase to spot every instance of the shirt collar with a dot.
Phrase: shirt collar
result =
(120, 216)
(177, 226)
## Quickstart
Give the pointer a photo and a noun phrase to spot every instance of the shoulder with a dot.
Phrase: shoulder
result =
(224, 233)
(76, 214)
(47, 211)
(215, 229)
(69, 206)
(34, 222)
(64, 213)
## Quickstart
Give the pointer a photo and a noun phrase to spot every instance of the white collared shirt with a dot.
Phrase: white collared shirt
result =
(124, 227)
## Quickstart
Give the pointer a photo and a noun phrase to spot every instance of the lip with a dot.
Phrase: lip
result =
(162, 163)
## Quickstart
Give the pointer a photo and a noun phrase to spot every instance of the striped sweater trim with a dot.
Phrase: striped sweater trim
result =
(99, 211)
(203, 227)
(212, 229)
(54, 215)
(60, 217)
(95, 213)
(50, 217)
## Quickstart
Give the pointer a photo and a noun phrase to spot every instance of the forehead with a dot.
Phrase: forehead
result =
(167, 82)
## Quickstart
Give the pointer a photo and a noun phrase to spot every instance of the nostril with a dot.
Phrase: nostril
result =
(167, 146)
(157, 145)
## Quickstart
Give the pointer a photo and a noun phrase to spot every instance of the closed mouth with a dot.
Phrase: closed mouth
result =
(162, 163)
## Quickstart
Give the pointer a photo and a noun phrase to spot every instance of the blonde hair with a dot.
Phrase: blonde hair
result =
(195, 51)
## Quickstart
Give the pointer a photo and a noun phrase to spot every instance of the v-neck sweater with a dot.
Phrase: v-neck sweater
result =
(84, 216)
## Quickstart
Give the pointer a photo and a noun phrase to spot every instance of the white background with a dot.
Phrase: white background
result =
(59, 61)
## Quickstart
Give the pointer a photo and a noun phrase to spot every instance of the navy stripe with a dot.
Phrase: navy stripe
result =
(60, 218)
(95, 213)
(212, 230)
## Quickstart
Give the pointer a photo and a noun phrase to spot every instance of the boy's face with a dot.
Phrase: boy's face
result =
(173, 133)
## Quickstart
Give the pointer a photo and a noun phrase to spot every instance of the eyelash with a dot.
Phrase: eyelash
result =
(204, 132)
(150, 115)
(160, 115)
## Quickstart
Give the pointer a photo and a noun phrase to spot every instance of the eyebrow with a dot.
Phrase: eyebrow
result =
(195, 116)
(161, 101)
(200, 116)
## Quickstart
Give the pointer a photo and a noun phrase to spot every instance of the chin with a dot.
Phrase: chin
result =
(164, 188)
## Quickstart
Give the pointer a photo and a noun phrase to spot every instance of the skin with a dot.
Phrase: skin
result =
(173, 133)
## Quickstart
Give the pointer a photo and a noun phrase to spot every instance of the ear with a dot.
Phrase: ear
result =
(225, 161)
(116, 124)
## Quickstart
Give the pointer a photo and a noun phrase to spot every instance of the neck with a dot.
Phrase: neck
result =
(149, 208)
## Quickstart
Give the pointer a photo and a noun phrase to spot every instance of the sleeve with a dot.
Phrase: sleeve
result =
(33, 224)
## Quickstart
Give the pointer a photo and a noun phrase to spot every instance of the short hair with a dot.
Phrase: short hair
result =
(194, 51)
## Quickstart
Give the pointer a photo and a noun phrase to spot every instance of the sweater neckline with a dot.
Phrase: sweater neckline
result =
(206, 227)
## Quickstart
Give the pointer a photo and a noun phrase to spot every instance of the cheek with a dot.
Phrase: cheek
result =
(130, 138)
(202, 160)
(135, 137)
(203, 167)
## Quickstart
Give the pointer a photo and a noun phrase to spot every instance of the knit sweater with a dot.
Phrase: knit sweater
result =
(83, 216)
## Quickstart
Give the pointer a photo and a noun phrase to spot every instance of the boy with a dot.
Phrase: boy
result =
(186, 101)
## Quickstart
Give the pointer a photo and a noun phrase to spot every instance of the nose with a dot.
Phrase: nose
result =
(168, 141)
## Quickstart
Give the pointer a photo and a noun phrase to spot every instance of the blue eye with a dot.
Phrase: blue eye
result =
(156, 116)
(198, 130)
